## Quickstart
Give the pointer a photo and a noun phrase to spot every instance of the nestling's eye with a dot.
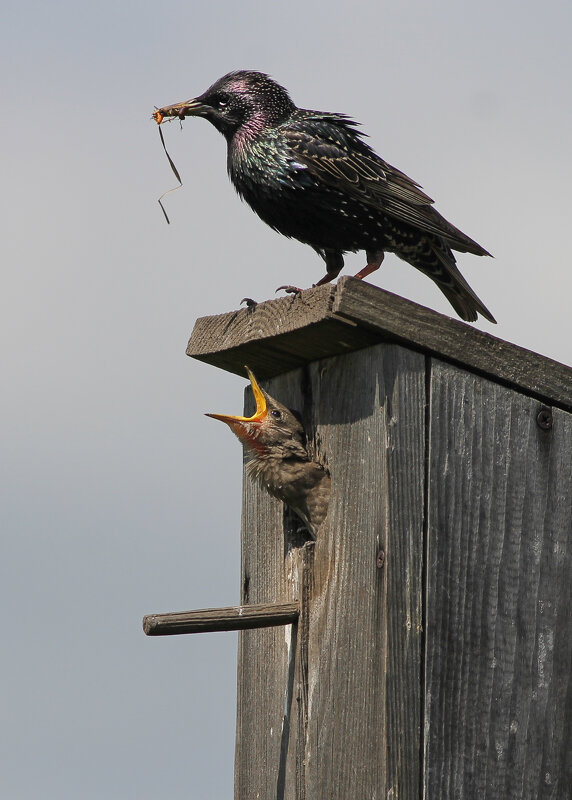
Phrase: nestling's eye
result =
(276, 414)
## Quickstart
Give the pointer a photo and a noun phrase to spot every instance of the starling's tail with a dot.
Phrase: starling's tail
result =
(436, 260)
(465, 301)
(455, 287)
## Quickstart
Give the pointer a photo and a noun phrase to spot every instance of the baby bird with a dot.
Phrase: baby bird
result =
(275, 446)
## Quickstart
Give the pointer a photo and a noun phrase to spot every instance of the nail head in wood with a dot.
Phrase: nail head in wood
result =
(545, 419)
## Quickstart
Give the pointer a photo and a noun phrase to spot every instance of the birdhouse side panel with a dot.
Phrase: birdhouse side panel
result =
(498, 695)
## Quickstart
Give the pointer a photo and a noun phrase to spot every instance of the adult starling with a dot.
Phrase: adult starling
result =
(310, 176)
(275, 447)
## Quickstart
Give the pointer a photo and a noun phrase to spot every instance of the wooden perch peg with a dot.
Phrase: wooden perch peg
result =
(233, 618)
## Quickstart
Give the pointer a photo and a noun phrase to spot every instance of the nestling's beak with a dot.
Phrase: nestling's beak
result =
(188, 108)
(240, 425)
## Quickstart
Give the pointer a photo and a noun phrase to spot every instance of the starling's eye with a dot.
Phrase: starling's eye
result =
(221, 103)
(276, 414)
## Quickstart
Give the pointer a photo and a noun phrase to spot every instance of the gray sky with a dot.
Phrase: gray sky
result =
(118, 497)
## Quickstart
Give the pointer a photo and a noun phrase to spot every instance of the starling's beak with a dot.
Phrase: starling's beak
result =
(240, 425)
(189, 108)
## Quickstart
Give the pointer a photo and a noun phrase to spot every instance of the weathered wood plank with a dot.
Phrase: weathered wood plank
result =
(279, 335)
(232, 618)
(354, 686)
(265, 656)
(455, 341)
(498, 713)
(364, 660)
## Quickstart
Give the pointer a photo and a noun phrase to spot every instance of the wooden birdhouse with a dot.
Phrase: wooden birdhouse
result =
(422, 645)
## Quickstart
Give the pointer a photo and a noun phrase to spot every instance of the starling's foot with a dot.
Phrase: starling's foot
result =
(374, 260)
(367, 270)
(290, 290)
(250, 303)
(326, 279)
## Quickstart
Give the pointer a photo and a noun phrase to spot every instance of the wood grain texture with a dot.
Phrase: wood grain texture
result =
(279, 335)
(498, 714)
(333, 711)
(232, 618)
(364, 652)
(454, 341)
(446, 672)
(266, 656)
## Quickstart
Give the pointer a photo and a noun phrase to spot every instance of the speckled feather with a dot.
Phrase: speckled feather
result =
(311, 176)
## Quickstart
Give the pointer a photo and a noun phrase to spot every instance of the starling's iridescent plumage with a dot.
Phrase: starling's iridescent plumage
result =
(311, 176)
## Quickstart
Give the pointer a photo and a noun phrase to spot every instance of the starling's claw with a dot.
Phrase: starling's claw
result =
(250, 303)
(290, 290)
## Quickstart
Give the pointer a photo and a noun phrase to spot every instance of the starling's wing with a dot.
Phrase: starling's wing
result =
(335, 155)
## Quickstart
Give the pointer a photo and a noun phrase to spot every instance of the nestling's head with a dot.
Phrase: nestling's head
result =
(272, 430)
